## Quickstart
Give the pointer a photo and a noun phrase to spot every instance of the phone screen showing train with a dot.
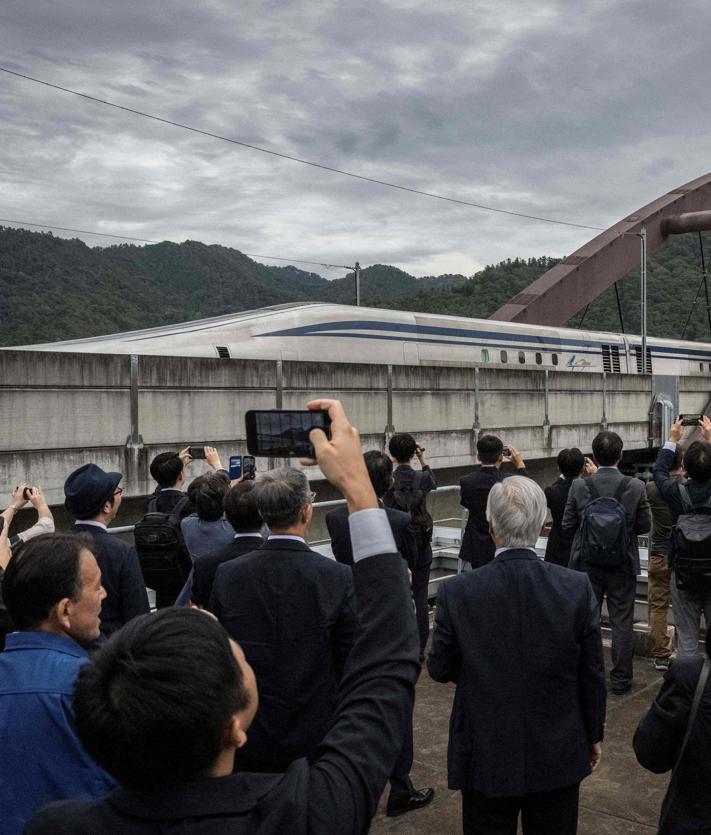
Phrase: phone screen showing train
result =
(283, 433)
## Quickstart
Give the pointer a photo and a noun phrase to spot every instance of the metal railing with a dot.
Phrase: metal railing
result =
(449, 488)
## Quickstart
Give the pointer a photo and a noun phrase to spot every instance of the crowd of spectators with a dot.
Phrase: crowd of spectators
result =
(273, 688)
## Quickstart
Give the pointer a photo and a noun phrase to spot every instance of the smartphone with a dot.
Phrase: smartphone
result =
(196, 451)
(249, 467)
(283, 432)
(235, 466)
(506, 452)
(690, 420)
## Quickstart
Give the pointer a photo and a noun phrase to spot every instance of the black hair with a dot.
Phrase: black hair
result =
(209, 496)
(571, 462)
(697, 461)
(402, 447)
(240, 505)
(43, 571)
(607, 448)
(489, 448)
(166, 468)
(380, 471)
(153, 705)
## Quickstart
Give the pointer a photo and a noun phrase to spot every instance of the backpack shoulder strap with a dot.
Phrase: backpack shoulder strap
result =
(180, 506)
(153, 504)
(621, 487)
(686, 502)
(592, 489)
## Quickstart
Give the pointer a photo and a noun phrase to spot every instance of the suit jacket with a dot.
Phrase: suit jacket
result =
(293, 613)
(121, 577)
(521, 638)
(659, 737)
(168, 498)
(340, 791)
(634, 501)
(477, 546)
(559, 542)
(339, 531)
(204, 568)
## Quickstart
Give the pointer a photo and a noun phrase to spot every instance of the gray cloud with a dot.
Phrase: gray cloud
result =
(575, 111)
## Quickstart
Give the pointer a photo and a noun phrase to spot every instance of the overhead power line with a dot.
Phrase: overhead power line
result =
(148, 241)
(300, 160)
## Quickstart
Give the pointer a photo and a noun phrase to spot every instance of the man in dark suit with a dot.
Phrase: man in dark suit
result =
(408, 483)
(242, 513)
(521, 638)
(477, 545)
(617, 583)
(572, 464)
(292, 611)
(404, 797)
(175, 764)
(93, 498)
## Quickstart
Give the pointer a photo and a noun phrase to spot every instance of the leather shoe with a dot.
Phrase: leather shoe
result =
(399, 804)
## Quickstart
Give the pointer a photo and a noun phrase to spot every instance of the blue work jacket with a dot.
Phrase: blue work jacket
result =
(42, 758)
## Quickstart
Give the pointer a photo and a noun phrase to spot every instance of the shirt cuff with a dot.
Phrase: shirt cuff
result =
(670, 445)
(371, 533)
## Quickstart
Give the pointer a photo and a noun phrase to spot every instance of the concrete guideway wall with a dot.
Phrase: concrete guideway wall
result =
(60, 410)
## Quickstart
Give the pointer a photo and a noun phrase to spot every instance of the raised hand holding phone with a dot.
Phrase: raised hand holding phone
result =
(340, 457)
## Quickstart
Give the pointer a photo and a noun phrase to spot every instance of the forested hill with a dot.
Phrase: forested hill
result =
(53, 288)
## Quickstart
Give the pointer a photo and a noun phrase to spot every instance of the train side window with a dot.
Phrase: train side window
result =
(554, 357)
(710, 366)
(504, 356)
(701, 366)
(522, 357)
(484, 355)
(539, 358)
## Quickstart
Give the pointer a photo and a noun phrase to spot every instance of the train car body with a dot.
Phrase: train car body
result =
(321, 332)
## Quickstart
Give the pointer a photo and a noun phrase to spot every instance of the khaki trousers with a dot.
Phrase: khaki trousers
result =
(658, 600)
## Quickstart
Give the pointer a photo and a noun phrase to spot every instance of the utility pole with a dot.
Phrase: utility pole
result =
(357, 283)
(643, 294)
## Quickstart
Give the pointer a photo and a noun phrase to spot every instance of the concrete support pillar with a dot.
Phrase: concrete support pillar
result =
(603, 419)
(547, 430)
(134, 457)
(389, 426)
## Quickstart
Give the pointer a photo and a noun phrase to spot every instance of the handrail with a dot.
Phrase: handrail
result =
(447, 488)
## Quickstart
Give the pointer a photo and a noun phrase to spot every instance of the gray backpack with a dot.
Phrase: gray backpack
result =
(604, 537)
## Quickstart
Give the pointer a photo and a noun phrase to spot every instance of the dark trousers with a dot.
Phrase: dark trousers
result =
(400, 782)
(420, 584)
(619, 588)
(542, 813)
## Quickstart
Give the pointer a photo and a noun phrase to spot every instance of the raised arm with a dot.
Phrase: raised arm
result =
(356, 756)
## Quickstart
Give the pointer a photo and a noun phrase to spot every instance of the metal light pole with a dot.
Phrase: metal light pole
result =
(643, 294)
(357, 283)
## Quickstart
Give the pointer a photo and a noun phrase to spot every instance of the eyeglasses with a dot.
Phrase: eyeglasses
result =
(118, 491)
(312, 497)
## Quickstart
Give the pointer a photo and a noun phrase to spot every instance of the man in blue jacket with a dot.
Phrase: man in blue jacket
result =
(52, 590)
(521, 639)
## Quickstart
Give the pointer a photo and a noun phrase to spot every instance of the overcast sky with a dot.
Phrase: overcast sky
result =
(581, 111)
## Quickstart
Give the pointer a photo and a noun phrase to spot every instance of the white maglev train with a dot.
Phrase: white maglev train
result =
(319, 332)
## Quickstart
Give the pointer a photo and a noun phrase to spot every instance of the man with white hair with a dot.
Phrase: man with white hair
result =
(521, 639)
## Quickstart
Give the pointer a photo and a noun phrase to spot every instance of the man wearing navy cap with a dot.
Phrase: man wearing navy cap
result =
(93, 498)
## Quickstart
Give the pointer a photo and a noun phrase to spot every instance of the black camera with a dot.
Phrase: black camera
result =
(506, 452)
(27, 494)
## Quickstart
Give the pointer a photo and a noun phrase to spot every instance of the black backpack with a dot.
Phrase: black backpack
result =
(691, 544)
(604, 538)
(160, 545)
(413, 500)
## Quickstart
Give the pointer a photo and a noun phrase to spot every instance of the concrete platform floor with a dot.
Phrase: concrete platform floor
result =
(620, 799)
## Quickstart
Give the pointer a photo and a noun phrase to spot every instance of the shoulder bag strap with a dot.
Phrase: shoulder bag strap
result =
(621, 487)
(686, 502)
(698, 695)
(592, 488)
